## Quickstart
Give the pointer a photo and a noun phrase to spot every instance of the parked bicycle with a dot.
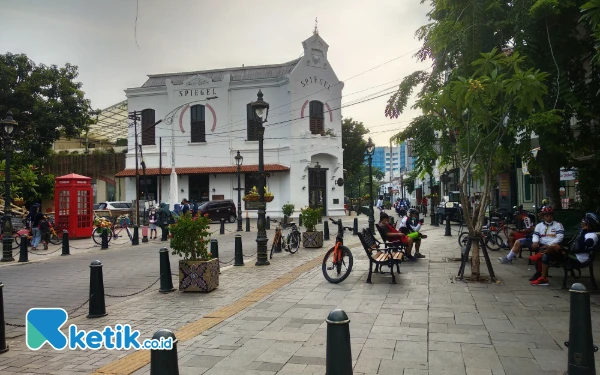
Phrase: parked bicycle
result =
(490, 237)
(55, 236)
(114, 229)
(338, 261)
(291, 241)
(15, 245)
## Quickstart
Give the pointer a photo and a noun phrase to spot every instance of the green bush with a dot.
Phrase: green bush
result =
(189, 237)
(288, 209)
(310, 218)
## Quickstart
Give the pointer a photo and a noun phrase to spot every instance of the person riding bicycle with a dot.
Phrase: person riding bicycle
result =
(44, 226)
(393, 236)
(411, 225)
(524, 231)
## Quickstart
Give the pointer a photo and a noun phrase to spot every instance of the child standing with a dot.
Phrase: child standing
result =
(44, 227)
(153, 218)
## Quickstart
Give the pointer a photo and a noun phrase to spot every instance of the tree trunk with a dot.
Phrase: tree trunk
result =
(475, 272)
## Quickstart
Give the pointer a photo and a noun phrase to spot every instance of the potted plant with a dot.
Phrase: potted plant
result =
(311, 238)
(198, 270)
(268, 195)
(288, 209)
(253, 195)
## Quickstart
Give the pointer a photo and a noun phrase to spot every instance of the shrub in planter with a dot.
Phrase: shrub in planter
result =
(198, 271)
(288, 209)
(310, 218)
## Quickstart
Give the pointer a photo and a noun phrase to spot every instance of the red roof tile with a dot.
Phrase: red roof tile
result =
(205, 170)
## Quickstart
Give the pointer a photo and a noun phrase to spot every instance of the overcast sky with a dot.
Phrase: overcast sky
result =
(188, 35)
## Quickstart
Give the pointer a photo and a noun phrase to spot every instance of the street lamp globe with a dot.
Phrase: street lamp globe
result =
(370, 146)
(8, 123)
(260, 107)
(239, 159)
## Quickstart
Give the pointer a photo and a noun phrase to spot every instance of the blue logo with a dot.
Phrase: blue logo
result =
(43, 326)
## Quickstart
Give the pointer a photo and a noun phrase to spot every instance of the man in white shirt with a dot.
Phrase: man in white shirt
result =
(547, 236)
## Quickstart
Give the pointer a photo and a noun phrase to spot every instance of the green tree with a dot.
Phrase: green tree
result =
(48, 104)
(477, 118)
(354, 145)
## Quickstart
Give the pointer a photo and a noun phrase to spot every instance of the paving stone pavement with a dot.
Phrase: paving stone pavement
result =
(429, 323)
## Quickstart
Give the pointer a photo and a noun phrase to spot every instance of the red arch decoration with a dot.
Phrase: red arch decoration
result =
(181, 118)
(214, 117)
(330, 113)
(303, 107)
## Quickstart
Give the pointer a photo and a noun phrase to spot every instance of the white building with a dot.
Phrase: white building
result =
(206, 119)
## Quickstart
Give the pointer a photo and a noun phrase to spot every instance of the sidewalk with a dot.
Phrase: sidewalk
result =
(270, 320)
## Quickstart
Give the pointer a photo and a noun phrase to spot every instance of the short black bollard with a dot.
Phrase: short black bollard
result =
(164, 361)
(144, 233)
(300, 220)
(355, 227)
(104, 241)
(166, 280)
(23, 253)
(340, 228)
(268, 223)
(278, 245)
(239, 253)
(247, 224)
(434, 220)
(97, 307)
(66, 249)
(581, 343)
(214, 250)
(222, 229)
(165, 233)
(136, 236)
(325, 231)
(3, 346)
(338, 357)
(448, 230)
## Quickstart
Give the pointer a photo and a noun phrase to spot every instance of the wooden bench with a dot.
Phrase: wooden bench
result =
(379, 254)
(571, 264)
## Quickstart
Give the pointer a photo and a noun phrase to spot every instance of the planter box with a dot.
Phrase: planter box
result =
(312, 239)
(198, 275)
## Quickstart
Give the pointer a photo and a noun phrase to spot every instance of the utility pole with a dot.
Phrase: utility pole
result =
(134, 116)
(159, 170)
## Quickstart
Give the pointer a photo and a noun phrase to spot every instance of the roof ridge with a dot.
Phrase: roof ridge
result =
(295, 61)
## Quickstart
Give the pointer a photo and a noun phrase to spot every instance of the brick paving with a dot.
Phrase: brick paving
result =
(429, 323)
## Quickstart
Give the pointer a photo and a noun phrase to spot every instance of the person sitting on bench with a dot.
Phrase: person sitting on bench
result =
(392, 235)
(410, 225)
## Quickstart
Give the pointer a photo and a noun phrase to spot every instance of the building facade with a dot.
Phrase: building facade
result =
(206, 118)
(393, 161)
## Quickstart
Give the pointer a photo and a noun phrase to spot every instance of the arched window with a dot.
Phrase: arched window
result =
(317, 119)
(252, 128)
(148, 130)
(198, 131)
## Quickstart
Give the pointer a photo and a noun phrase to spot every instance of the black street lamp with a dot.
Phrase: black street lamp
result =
(9, 125)
(369, 153)
(261, 111)
(239, 159)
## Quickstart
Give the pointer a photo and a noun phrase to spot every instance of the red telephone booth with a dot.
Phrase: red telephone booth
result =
(73, 205)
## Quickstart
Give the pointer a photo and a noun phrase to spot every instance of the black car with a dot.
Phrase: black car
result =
(218, 210)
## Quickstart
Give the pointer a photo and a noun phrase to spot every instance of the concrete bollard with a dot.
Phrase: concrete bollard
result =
(434, 220)
(104, 241)
(144, 233)
(136, 236)
(164, 233)
(239, 253)
(581, 343)
(222, 228)
(214, 250)
(338, 357)
(247, 224)
(268, 223)
(66, 249)
(340, 227)
(355, 227)
(166, 281)
(325, 231)
(448, 230)
(3, 346)
(97, 307)
(164, 361)
(278, 244)
(23, 253)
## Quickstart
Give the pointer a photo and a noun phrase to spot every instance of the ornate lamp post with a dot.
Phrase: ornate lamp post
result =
(369, 153)
(8, 124)
(239, 159)
(261, 111)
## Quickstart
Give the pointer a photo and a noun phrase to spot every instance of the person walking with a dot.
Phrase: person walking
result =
(44, 227)
(153, 219)
(36, 216)
(380, 204)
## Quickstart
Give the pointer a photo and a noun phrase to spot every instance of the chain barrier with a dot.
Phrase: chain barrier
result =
(14, 325)
(68, 312)
(227, 262)
(132, 294)
(249, 256)
(80, 306)
(52, 252)
(83, 248)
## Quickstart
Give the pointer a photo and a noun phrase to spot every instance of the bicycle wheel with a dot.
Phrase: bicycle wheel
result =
(54, 239)
(491, 241)
(274, 245)
(16, 241)
(294, 242)
(97, 236)
(336, 272)
(463, 239)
